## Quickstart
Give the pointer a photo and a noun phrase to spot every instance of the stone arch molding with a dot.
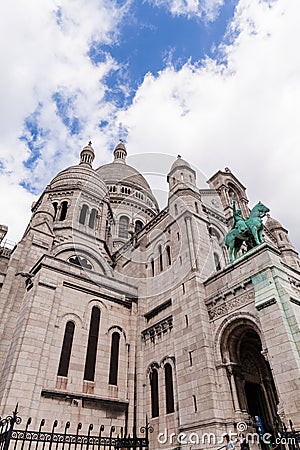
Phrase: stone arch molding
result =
(228, 324)
(88, 309)
(65, 250)
(151, 366)
(67, 317)
(167, 359)
(118, 329)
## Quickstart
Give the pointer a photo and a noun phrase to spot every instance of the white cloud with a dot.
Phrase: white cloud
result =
(243, 113)
(46, 51)
(205, 9)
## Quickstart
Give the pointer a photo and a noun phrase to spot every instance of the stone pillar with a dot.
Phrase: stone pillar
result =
(231, 378)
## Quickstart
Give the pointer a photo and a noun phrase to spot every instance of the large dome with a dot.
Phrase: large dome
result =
(125, 182)
(120, 172)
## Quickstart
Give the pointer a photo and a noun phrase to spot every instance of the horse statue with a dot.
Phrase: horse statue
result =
(248, 230)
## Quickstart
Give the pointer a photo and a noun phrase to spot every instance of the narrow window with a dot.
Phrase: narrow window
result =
(55, 206)
(138, 226)
(186, 320)
(196, 208)
(123, 227)
(183, 288)
(90, 362)
(114, 359)
(161, 267)
(178, 236)
(168, 250)
(154, 393)
(176, 210)
(217, 261)
(92, 218)
(181, 176)
(83, 214)
(66, 350)
(195, 403)
(169, 389)
(152, 267)
(191, 358)
(280, 236)
(64, 208)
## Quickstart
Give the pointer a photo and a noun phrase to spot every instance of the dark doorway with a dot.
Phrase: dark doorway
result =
(256, 402)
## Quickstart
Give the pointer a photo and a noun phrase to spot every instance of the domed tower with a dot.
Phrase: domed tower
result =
(280, 234)
(131, 199)
(182, 174)
(81, 211)
(183, 191)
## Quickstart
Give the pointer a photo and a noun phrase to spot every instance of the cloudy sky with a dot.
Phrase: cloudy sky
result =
(217, 81)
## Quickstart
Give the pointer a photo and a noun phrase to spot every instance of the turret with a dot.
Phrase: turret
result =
(288, 252)
(120, 153)
(181, 174)
(87, 155)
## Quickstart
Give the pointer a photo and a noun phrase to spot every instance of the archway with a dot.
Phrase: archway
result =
(250, 378)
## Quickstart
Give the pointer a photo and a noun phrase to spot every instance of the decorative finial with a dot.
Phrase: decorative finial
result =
(87, 155)
(178, 156)
(120, 152)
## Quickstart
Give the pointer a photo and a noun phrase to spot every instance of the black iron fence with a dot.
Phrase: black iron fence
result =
(287, 436)
(14, 438)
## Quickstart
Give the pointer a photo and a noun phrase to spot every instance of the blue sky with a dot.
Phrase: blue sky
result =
(151, 37)
(217, 81)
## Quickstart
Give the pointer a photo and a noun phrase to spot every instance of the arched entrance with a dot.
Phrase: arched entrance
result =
(250, 378)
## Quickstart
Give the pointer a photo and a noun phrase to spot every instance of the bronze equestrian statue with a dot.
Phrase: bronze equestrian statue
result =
(248, 230)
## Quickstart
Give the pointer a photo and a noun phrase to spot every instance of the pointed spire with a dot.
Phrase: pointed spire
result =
(120, 152)
(87, 155)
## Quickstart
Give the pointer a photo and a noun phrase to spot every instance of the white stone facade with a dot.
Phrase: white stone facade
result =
(202, 344)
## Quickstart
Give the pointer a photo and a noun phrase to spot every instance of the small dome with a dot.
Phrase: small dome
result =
(87, 155)
(272, 224)
(120, 152)
(179, 163)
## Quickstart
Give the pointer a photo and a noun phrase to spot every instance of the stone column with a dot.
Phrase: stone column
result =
(232, 383)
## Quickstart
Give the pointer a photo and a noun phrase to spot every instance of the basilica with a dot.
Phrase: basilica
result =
(113, 310)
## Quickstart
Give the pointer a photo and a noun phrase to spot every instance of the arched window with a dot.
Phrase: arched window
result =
(92, 218)
(161, 267)
(169, 389)
(83, 213)
(154, 393)
(65, 355)
(114, 359)
(64, 209)
(217, 261)
(152, 267)
(168, 250)
(138, 226)
(55, 206)
(123, 227)
(90, 361)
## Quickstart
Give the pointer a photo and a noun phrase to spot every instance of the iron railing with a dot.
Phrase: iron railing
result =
(12, 438)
